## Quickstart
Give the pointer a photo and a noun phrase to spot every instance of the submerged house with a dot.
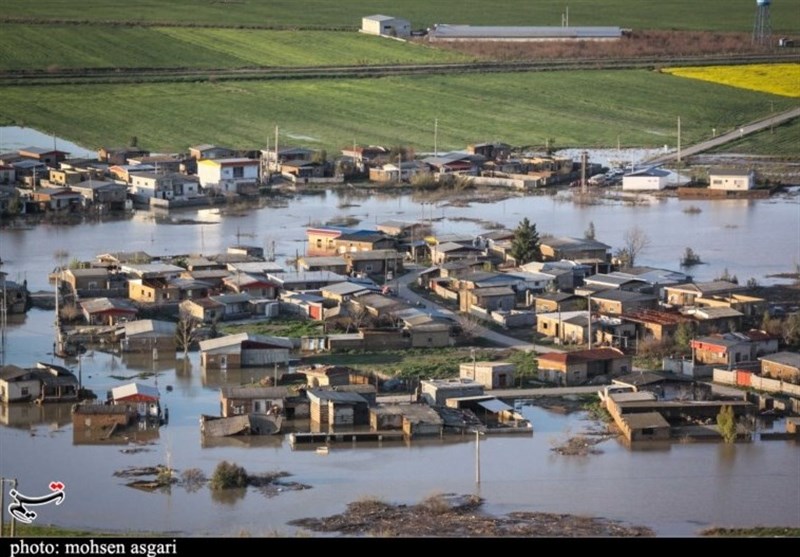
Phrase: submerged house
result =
(337, 408)
(44, 383)
(237, 401)
(148, 335)
(244, 350)
(145, 399)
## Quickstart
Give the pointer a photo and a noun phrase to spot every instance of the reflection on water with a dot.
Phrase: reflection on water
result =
(25, 415)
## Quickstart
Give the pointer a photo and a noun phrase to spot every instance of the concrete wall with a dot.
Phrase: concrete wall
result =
(756, 382)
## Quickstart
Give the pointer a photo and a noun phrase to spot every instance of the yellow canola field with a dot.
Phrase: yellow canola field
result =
(778, 79)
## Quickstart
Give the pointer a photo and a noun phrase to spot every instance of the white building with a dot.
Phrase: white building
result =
(238, 175)
(146, 185)
(386, 26)
(731, 180)
(648, 179)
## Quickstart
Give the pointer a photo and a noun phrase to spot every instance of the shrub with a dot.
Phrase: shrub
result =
(228, 476)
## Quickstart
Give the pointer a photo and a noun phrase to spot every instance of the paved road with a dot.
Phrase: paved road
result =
(742, 131)
(406, 293)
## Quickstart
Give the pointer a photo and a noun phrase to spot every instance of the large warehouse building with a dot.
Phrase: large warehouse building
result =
(446, 32)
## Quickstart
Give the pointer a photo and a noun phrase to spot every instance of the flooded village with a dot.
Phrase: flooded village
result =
(525, 317)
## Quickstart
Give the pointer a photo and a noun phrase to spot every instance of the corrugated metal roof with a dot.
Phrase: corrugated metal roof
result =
(231, 341)
(142, 326)
(338, 396)
(254, 392)
(446, 31)
(495, 405)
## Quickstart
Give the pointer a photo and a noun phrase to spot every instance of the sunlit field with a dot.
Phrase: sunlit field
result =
(777, 79)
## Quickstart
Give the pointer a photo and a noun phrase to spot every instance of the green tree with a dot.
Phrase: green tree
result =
(525, 247)
(683, 337)
(228, 475)
(726, 421)
(527, 366)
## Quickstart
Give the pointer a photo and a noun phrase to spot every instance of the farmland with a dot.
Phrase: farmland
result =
(712, 15)
(597, 108)
(635, 107)
(49, 47)
(777, 79)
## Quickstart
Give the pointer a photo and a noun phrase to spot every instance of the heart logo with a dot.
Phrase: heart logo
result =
(56, 486)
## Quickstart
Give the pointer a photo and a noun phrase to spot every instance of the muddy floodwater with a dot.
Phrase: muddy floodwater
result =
(676, 489)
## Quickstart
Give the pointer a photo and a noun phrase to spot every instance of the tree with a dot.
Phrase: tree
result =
(790, 329)
(726, 421)
(683, 337)
(525, 247)
(186, 332)
(728, 277)
(228, 475)
(589, 234)
(634, 241)
(527, 366)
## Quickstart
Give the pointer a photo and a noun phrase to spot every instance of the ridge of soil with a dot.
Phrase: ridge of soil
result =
(451, 515)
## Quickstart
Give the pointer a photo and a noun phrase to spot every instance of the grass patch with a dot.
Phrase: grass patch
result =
(738, 14)
(42, 47)
(755, 532)
(637, 107)
(279, 327)
(434, 363)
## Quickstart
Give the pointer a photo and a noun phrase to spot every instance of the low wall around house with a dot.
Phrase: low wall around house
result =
(496, 181)
(514, 319)
(312, 180)
(444, 293)
(179, 203)
(724, 376)
(751, 380)
(774, 385)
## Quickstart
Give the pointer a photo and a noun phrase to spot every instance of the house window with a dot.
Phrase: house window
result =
(648, 431)
(319, 242)
(238, 172)
(24, 391)
(257, 406)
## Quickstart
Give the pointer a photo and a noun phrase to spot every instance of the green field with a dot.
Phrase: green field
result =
(594, 108)
(41, 47)
(715, 15)
(781, 141)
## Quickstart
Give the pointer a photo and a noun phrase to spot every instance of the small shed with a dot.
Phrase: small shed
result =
(385, 26)
(334, 408)
(492, 375)
(436, 391)
(326, 376)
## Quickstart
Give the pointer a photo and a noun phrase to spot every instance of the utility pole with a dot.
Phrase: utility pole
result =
(589, 307)
(584, 156)
(435, 137)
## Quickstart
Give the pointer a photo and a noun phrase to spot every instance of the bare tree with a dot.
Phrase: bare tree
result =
(634, 242)
(358, 316)
(469, 325)
(186, 331)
